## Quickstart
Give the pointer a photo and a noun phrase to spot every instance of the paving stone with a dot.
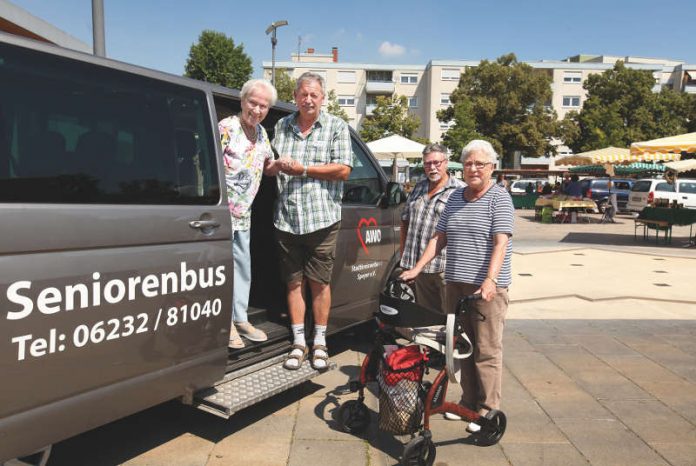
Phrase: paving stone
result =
(679, 396)
(678, 454)
(644, 417)
(601, 345)
(594, 375)
(543, 454)
(185, 450)
(609, 443)
(334, 453)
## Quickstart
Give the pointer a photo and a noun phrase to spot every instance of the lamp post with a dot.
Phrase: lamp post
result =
(272, 30)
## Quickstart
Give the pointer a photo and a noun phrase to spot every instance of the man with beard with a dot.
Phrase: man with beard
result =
(421, 213)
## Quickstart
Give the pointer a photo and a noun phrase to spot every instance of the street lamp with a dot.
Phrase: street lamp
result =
(272, 29)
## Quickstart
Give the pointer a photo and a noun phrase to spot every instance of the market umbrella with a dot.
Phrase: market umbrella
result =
(634, 168)
(596, 157)
(670, 146)
(682, 165)
(396, 147)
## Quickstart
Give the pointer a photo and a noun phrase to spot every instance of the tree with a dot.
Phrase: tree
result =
(390, 116)
(285, 85)
(622, 108)
(334, 108)
(216, 59)
(506, 103)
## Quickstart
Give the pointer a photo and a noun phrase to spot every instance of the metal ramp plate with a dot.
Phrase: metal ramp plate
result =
(248, 386)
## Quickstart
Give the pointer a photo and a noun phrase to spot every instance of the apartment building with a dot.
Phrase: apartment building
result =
(428, 87)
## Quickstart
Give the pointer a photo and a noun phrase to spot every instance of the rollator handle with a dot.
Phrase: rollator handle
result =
(464, 300)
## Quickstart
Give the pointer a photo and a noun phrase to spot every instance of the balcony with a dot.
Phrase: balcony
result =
(369, 108)
(690, 88)
(379, 87)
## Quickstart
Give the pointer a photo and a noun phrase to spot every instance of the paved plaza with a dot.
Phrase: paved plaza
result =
(600, 368)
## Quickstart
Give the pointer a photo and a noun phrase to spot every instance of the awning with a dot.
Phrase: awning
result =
(673, 144)
(630, 169)
(682, 165)
(614, 155)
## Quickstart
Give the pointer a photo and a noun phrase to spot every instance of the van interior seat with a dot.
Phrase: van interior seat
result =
(45, 156)
(186, 161)
(95, 155)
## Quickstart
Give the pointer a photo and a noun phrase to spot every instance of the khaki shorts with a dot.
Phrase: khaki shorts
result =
(311, 255)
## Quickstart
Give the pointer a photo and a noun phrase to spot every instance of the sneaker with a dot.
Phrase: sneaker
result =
(250, 332)
(452, 417)
(235, 340)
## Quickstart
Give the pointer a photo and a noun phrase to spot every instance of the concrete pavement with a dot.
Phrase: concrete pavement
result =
(600, 368)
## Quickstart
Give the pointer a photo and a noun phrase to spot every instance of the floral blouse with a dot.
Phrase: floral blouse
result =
(244, 162)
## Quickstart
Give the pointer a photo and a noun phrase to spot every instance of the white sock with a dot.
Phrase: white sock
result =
(320, 335)
(298, 334)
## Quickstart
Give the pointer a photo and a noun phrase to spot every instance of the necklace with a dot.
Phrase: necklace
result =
(249, 133)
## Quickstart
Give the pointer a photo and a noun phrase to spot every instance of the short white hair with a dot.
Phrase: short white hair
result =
(259, 83)
(479, 145)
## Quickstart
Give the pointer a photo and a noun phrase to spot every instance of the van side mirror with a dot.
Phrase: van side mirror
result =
(393, 195)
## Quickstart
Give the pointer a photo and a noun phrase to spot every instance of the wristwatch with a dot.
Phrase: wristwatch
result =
(304, 172)
(493, 280)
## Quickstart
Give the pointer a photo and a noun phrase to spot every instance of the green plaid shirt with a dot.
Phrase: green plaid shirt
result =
(306, 204)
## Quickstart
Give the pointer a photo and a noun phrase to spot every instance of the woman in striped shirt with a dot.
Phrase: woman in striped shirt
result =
(476, 226)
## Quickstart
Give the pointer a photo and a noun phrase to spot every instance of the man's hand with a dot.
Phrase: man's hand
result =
(488, 290)
(290, 166)
(409, 275)
(271, 167)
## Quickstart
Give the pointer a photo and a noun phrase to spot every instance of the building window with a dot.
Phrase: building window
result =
(572, 76)
(571, 101)
(378, 75)
(413, 102)
(446, 125)
(445, 99)
(346, 77)
(346, 100)
(450, 74)
(409, 78)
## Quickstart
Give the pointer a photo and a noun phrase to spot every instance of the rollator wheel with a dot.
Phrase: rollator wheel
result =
(420, 451)
(354, 416)
(492, 431)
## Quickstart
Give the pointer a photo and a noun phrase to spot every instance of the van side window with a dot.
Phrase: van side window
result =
(72, 132)
(687, 187)
(363, 186)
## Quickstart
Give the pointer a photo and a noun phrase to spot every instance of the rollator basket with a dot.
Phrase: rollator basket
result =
(400, 398)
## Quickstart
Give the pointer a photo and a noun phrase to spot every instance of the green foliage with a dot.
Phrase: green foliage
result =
(216, 59)
(621, 108)
(506, 103)
(334, 109)
(390, 116)
(285, 85)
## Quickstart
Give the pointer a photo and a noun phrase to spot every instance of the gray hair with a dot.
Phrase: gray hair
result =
(259, 83)
(434, 147)
(311, 76)
(477, 145)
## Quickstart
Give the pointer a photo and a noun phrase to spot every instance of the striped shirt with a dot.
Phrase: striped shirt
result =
(470, 227)
(307, 204)
(422, 213)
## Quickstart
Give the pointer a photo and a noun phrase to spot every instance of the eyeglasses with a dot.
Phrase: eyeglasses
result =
(477, 165)
(434, 163)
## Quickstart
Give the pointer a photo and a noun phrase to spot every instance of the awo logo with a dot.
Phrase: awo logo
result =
(368, 232)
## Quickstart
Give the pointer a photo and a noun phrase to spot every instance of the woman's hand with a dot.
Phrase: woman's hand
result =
(488, 290)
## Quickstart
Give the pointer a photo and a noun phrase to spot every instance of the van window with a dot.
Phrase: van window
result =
(624, 185)
(600, 185)
(687, 187)
(642, 186)
(363, 186)
(71, 132)
(664, 187)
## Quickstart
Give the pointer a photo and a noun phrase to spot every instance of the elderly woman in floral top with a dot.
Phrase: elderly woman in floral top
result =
(247, 155)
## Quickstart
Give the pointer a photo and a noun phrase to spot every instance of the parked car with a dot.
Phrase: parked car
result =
(644, 192)
(597, 189)
(520, 186)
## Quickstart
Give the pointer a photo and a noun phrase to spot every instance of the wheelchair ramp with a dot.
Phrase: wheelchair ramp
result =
(245, 387)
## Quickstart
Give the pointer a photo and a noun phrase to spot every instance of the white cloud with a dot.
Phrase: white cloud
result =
(387, 49)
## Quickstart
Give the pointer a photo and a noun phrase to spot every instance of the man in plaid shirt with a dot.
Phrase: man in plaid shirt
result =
(316, 157)
(418, 220)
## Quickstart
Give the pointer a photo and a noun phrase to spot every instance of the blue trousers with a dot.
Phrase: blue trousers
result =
(242, 274)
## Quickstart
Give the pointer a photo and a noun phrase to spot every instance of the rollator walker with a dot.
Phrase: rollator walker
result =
(406, 401)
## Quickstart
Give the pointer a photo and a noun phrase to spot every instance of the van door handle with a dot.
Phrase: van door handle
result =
(204, 224)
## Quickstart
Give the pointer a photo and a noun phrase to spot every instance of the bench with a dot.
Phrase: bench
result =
(657, 225)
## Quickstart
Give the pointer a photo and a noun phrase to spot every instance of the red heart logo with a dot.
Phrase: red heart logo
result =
(365, 222)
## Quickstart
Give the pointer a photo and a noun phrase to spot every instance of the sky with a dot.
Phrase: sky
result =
(159, 33)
